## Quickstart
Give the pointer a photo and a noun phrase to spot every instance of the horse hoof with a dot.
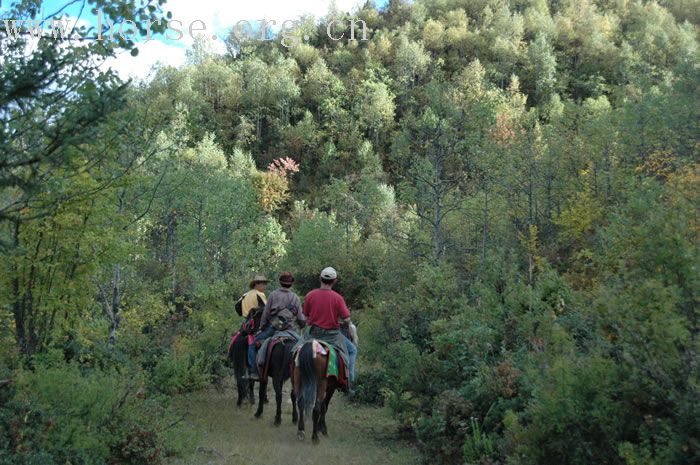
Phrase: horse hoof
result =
(315, 440)
(301, 435)
(324, 432)
(258, 415)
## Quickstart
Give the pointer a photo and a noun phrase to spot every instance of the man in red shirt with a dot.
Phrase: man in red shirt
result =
(325, 311)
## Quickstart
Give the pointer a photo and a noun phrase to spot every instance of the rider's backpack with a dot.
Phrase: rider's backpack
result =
(239, 305)
(282, 318)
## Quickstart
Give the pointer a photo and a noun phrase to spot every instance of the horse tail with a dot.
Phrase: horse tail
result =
(238, 355)
(308, 382)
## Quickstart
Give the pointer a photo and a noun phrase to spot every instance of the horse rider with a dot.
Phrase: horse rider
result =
(255, 298)
(325, 312)
(352, 352)
(282, 312)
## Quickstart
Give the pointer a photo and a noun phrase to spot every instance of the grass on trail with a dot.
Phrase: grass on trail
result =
(357, 435)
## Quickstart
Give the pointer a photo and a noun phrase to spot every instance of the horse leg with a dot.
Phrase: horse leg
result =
(251, 392)
(326, 403)
(261, 397)
(237, 357)
(277, 382)
(316, 415)
(296, 377)
(241, 392)
(318, 408)
(301, 434)
(295, 415)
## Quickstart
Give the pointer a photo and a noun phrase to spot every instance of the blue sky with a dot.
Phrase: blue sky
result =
(217, 16)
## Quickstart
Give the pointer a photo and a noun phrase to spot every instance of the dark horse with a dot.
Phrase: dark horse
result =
(312, 390)
(278, 370)
(238, 354)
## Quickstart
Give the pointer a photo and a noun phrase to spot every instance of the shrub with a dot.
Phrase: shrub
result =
(370, 386)
(180, 373)
(62, 413)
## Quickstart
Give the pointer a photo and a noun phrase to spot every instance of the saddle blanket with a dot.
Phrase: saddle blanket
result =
(336, 368)
(262, 359)
(251, 338)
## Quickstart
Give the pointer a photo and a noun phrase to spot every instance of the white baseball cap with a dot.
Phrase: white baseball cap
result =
(329, 273)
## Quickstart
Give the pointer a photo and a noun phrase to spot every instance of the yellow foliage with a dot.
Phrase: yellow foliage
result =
(150, 311)
(433, 33)
(687, 184)
(531, 247)
(579, 218)
(659, 164)
(272, 189)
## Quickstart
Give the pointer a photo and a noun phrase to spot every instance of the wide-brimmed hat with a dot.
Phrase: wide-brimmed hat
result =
(258, 279)
(329, 273)
(286, 278)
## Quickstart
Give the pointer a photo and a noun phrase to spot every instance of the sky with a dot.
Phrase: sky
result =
(217, 15)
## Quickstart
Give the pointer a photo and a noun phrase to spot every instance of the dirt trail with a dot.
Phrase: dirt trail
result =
(358, 435)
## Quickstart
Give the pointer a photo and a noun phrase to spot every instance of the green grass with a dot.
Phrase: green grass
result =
(228, 435)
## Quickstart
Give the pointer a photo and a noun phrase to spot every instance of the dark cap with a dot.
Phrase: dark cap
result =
(286, 278)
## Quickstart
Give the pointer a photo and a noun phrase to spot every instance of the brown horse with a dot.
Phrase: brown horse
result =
(312, 390)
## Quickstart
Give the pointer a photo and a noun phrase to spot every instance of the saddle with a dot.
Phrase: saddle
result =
(248, 328)
(236, 335)
(335, 367)
(265, 357)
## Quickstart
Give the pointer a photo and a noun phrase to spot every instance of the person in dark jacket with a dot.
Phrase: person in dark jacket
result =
(281, 302)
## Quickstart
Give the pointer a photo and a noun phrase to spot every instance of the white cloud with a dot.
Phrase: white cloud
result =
(216, 16)
(150, 53)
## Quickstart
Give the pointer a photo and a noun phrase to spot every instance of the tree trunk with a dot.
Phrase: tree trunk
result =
(606, 158)
(172, 239)
(548, 189)
(485, 237)
(530, 188)
(200, 226)
(115, 304)
(115, 316)
(17, 308)
(437, 206)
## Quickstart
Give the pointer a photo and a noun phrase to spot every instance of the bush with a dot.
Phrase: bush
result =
(60, 413)
(370, 386)
(519, 367)
(174, 374)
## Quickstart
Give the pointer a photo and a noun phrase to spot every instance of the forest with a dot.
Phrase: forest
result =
(509, 190)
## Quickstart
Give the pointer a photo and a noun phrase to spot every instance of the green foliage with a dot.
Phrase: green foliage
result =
(61, 413)
(370, 386)
(477, 446)
(508, 190)
(178, 374)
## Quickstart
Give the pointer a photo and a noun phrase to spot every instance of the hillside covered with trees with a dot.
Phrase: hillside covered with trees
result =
(507, 188)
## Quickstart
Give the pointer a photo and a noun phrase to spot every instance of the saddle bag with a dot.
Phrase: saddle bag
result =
(238, 306)
(282, 319)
